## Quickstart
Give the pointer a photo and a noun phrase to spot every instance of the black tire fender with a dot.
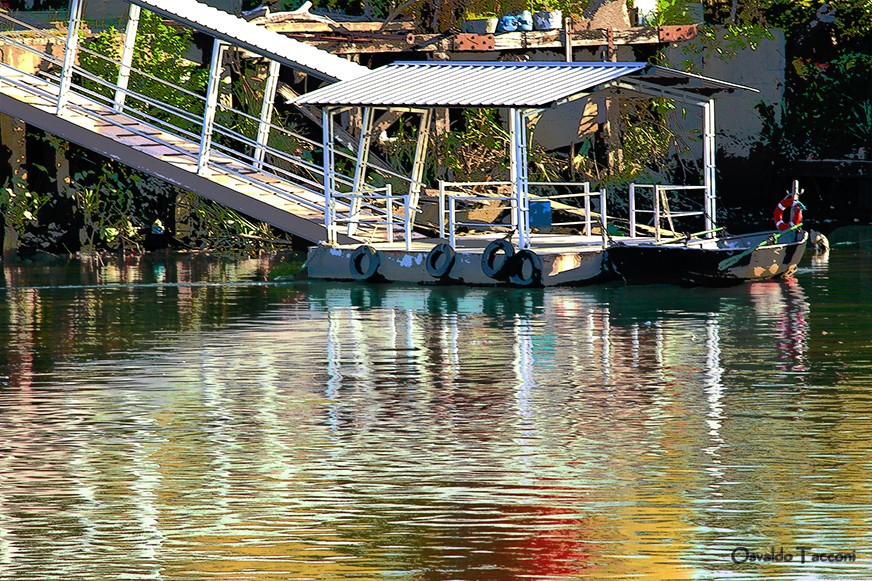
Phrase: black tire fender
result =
(440, 260)
(526, 269)
(364, 262)
(497, 259)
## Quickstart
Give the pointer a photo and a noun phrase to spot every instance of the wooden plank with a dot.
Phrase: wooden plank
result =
(505, 41)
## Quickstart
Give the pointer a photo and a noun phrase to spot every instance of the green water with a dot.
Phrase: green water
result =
(180, 418)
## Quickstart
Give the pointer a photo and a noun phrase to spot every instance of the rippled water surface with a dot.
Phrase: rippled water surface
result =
(179, 418)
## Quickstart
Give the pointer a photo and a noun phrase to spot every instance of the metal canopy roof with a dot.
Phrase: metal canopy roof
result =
(498, 84)
(273, 45)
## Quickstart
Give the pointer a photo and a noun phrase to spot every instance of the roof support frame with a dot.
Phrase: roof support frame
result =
(421, 146)
(360, 166)
(708, 143)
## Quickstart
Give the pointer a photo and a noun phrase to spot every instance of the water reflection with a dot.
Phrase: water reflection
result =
(316, 431)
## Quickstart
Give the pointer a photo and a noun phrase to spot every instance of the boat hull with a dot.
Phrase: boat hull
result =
(701, 263)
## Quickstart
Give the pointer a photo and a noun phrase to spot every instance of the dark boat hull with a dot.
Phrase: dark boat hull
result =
(700, 263)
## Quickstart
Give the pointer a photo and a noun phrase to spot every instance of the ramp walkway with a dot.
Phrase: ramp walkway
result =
(237, 158)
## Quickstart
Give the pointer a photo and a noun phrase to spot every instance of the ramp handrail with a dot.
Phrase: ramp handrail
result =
(233, 151)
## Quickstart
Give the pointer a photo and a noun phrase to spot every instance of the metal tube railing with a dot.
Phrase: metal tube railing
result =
(448, 203)
(378, 216)
(659, 213)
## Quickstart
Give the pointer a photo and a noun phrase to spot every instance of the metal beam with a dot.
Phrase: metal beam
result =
(360, 167)
(70, 52)
(653, 90)
(420, 162)
(127, 56)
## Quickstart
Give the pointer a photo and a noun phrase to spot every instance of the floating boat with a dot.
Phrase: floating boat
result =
(722, 261)
(714, 260)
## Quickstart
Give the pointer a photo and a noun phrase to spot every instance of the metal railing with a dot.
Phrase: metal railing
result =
(369, 225)
(660, 208)
(584, 196)
(454, 194)
(231, 151)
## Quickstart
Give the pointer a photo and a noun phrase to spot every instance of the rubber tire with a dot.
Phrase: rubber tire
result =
(520, 261)
(367, 254)
(438, 269)
(494, 265)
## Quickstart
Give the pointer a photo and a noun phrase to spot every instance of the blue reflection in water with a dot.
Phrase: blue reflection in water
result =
(157, 426)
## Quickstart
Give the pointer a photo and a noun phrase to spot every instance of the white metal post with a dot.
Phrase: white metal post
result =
(587, 226)
(389, 206)
(632, 210)
(442, 209)
(657, 213)
(407, 225)
(327, 144)
(360, 167)
(266, 111)
(70, 53)
(127, 55)
(521, 183)
(513, 165)
(452, 201)
(604, 215)
(708, 152)
(215, 70)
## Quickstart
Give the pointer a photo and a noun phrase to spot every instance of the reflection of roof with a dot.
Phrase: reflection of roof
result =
(497, 84)
(289, 52)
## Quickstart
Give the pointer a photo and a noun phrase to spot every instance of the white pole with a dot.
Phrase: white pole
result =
(521, 184)
(513, 166)
(710, 203)
(266, 111)
(127, 56)
(327, 144)
(70, 52)
(442, 209)
(215, 70)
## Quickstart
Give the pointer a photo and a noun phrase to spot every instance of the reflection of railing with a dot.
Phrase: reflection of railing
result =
(660, 209)
(469, 194)
(367, 224)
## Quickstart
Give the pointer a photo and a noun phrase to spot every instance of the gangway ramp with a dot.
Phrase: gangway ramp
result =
(213, 161)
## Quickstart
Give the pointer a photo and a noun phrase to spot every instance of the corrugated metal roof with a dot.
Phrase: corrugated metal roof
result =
(237, 31)
(487, 84)
(689, 81)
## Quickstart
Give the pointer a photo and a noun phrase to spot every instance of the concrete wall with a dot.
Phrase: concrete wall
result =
(738, 123)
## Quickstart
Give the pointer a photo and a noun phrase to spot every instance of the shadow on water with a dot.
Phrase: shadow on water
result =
(182, 420)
